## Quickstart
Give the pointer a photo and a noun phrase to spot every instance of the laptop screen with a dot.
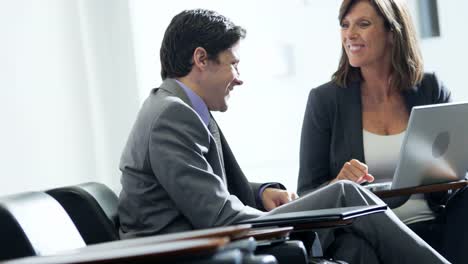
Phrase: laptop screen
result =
(435, 147)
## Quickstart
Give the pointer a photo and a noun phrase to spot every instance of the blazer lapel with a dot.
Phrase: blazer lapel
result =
(234, 178)
(412, 98)
(350, 108)
(214, 156)
(216, 136)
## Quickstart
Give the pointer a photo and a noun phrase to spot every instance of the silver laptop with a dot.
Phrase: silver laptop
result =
(434, 149)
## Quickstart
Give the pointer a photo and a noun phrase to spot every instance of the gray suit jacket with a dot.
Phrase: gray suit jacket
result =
(332, 127)
(172, 174)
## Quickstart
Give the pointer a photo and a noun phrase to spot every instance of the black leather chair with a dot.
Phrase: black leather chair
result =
(93, 208)
(34, 224)
(82, 203)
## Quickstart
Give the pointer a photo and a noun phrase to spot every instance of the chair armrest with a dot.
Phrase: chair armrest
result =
(226, 231)
(422, 189)
(144, 253)
(275, 233)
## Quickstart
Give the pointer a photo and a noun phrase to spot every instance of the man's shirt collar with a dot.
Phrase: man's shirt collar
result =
(197, 102)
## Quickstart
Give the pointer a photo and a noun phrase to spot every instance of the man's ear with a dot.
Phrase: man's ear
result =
(200, 58)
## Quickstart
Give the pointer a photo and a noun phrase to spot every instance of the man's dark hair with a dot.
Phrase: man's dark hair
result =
(191, 29)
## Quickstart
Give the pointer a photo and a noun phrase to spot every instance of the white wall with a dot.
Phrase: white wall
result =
(68, 92)
(73, 74)
(112, 83)
(44, 97)
(447, 54)
(285, 54)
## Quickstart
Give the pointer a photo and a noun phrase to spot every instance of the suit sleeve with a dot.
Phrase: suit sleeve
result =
(178, 142)
(314, 170)
(259, 188)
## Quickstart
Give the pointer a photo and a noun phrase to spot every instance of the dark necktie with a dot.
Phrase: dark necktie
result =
(213, 127)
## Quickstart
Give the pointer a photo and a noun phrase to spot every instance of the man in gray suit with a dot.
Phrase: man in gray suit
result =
(179, 174)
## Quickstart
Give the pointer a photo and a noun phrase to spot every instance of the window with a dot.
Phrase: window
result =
(428, 18)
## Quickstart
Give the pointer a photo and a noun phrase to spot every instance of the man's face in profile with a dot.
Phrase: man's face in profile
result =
(220, 78)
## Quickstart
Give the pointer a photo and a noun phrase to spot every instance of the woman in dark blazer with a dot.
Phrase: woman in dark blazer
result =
(367, 104)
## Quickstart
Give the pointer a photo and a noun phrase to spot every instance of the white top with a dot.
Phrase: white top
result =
(382, 154)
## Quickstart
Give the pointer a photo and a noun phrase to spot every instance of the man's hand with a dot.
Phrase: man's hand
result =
(273, 198)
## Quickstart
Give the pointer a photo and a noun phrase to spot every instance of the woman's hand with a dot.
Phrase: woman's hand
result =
(355, 171)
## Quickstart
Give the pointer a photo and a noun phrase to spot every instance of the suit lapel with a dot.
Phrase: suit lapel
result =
(216, 136)
(214, 155)
(350, 108)
(233, 176)
(412, 98)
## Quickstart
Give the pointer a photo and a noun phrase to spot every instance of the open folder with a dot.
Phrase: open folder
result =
(315, 216)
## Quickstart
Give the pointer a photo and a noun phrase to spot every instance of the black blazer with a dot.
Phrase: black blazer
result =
(332, 127)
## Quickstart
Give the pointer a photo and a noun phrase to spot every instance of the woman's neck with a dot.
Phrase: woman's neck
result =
(377, 83)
